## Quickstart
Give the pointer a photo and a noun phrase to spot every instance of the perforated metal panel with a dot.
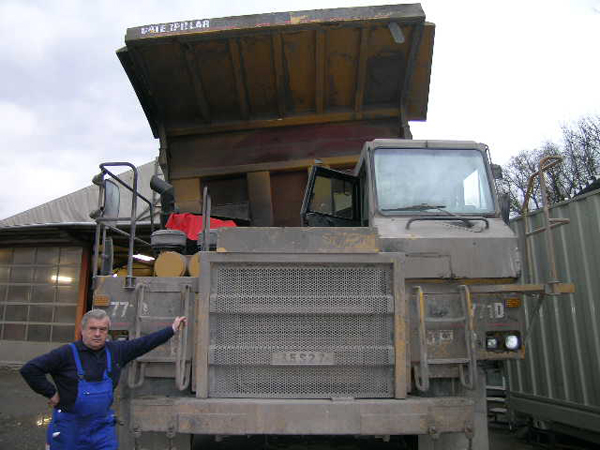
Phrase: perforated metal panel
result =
(342, 310)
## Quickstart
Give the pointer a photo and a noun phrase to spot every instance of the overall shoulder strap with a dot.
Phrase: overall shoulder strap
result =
(80, 372)
(108, 360)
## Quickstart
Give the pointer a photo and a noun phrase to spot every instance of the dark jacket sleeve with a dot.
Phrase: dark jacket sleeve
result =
(34, 372)
(129, 350)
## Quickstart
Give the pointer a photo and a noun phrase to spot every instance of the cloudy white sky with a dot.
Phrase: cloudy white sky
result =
(507, 73)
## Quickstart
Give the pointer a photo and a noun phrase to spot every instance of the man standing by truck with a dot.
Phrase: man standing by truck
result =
(85, 374)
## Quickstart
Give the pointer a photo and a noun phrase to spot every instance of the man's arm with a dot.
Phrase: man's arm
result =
(34, 372)
(130, 350)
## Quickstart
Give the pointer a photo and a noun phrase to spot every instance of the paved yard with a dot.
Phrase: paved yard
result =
(24, 415)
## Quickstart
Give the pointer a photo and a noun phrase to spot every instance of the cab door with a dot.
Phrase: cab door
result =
(332, 199)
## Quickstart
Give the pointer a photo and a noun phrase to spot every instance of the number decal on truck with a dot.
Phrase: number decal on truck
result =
(115, 308)
(302, 359)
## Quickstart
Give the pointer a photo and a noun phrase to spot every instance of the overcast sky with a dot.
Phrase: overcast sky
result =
(507, 73)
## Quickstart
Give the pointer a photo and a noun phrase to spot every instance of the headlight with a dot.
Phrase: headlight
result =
(491, 343)
(511, 342)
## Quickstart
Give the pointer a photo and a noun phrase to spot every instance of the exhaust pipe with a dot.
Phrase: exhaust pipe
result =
(167, 198)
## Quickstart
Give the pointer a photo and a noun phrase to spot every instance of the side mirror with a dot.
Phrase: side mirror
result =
(497, 171)
(112, 201)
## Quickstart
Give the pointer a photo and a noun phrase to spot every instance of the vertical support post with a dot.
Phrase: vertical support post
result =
(261, 202)
(202, 328)
(84, 276)
(182, 379)
(547, 224)
(99, 227)
(400, 326)
(135, 380)
(129, 280)
(422, 370)
(471, 382)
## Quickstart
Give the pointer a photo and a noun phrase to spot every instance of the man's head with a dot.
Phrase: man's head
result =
(94, 328)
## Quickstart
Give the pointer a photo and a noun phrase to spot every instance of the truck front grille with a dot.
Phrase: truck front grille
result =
(340, 315)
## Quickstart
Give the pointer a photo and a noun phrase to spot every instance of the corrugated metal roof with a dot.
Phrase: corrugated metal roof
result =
(75, 208)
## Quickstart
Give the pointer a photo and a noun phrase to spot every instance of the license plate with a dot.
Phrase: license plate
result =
(302, 359)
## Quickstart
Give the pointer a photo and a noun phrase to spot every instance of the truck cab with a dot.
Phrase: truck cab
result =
(430, 199)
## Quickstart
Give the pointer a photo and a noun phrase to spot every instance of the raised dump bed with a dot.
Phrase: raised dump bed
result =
(272, 70)
(244, 105)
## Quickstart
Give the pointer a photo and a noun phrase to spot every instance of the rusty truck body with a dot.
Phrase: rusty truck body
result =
(357, 298)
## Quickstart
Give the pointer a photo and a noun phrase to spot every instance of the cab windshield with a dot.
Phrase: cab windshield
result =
(432, 181)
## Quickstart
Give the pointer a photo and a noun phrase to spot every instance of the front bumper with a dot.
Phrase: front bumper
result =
(413, 415)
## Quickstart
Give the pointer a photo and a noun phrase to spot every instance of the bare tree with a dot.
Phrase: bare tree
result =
(580, 149)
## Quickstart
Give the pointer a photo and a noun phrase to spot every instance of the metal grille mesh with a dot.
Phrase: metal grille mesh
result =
(301, 331)
(302, 382)
(259, 309)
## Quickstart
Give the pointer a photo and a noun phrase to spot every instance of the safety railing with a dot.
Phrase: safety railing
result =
(553, 285)
(544, 166)
(107, 215)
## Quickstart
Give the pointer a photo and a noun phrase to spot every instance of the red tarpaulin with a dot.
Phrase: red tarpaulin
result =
(191, 224)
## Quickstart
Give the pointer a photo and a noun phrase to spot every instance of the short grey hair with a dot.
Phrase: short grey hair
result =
(98, 314)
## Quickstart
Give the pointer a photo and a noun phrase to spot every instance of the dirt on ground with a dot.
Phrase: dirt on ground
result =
(24, 416)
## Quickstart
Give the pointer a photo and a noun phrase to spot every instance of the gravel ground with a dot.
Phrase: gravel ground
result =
(24, 416)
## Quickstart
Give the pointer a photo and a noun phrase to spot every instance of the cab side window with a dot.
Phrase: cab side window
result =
(331, 199)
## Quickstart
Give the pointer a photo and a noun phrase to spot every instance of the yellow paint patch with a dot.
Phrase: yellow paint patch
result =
(101, 300)
(513, 302)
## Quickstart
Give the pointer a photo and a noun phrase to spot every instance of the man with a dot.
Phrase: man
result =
(85, 374)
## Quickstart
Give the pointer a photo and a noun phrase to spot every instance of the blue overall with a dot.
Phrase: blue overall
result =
(90, 425)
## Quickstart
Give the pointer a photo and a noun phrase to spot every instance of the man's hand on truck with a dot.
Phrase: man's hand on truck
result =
(178, 323)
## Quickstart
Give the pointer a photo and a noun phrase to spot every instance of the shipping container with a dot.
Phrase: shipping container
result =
(557, 382)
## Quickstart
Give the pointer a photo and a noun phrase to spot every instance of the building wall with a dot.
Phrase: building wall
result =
(42, 297)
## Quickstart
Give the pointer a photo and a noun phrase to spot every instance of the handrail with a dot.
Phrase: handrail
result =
(544, 165)
(206, 211)
(134, 381)
(182, 376)
(101, 226)
(422, 370)
(469, 383)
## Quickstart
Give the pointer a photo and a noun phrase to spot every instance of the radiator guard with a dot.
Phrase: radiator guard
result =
(252, 306)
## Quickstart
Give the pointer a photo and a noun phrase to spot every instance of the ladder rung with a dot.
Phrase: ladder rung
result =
(448, 361)
(445, 320)
(155, 318)
(156, 359)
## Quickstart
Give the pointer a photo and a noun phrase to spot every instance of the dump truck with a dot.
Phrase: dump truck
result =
(370, 276)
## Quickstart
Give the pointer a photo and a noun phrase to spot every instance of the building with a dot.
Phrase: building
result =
(45, 267)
